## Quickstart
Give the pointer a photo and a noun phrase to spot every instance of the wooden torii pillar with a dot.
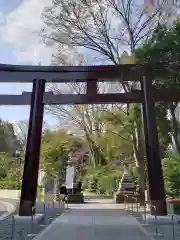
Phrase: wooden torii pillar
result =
(155, 174)
(32, 155)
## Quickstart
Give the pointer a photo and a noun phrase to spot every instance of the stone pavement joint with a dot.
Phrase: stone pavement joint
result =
(94, 222)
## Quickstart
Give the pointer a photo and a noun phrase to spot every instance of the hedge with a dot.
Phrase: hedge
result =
(11, 185)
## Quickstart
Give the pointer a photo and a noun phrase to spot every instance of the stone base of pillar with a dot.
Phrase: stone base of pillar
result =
(76, 198)
(158, 207)
(25, 208)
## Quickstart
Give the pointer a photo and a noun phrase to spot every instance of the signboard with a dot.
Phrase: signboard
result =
(69, 177)
(40, 177)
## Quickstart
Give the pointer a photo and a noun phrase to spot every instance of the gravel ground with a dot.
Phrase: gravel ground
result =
(159, 229)
(6, 227)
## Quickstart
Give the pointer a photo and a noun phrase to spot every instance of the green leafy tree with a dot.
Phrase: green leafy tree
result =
(102, 180)
(172, 175)
(123, 129)
(164, 46)
(8, 140)
(57, 146)
(5, 164)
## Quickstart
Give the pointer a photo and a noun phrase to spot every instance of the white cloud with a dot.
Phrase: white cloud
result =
(22, 28)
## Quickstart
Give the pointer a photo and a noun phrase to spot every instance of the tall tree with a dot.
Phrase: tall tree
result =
(8, 140)
(84, 119)
(106, 27)
(164, 46)
(56, 148)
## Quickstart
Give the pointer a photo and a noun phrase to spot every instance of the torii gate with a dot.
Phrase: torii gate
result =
(39, 75)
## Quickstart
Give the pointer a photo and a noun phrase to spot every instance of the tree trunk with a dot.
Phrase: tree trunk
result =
(140, 164)
(141, 180)
(175, 129)
(140, 168)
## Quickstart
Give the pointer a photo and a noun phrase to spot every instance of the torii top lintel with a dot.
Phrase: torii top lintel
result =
(126, 72)
(91, 75)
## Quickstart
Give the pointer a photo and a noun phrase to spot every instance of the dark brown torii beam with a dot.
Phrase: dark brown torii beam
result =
(68, 99)
(61, 74)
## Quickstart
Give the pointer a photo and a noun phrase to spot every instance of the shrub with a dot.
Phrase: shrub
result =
(106, 185)
(3, 172)
(102, 180)
(90, 182)
(11, 185)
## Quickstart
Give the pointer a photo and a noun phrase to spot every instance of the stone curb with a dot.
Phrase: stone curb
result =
(10, 208)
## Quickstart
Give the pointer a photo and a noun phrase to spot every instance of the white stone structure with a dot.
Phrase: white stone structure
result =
(40, 177)
(70, 172)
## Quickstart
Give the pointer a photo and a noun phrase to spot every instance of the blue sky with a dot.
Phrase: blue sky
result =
(7, 56)
(9, 5)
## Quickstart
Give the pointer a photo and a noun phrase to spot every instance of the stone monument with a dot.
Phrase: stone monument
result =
(126, 186)
(74, 192)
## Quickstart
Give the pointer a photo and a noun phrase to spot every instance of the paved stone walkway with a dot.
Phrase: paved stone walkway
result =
(94, 221)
